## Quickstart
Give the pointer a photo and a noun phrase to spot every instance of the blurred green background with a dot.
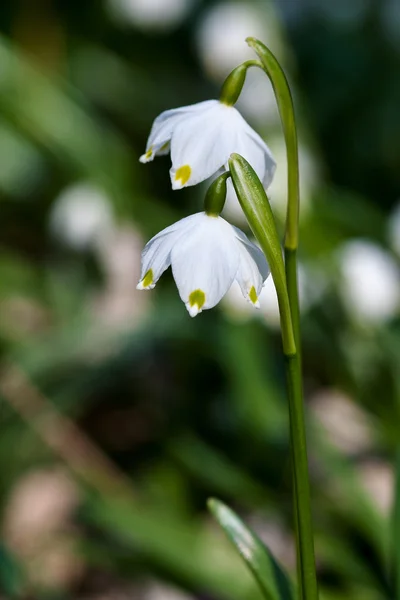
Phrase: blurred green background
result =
(120, 415)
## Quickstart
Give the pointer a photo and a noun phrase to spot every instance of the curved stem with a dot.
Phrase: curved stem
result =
(284, 99)
(303, 521)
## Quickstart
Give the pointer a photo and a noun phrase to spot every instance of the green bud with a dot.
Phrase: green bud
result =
(216, 195)
(258, 212)
(233, 84)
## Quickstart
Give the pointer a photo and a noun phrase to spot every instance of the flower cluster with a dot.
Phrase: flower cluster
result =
(205, 252)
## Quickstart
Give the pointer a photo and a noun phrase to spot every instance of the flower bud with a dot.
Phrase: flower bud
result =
(216, 195)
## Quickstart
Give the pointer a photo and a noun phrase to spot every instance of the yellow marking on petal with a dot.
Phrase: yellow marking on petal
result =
(253, 295)
(183, 174)
(149, 153)
(197, 298)
(148, 278)
(164, 147)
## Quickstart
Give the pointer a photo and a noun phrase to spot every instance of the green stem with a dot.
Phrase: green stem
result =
(305, 550)
(303, 522)
(284, 99)
(308, 582)
(292, 288)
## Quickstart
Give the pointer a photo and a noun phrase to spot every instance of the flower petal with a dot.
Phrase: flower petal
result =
(255, 251)
(204, 263)
(156, 255)
(253, 268)
(253, 148)
(201, 144)
(252, 272)
(163, 126)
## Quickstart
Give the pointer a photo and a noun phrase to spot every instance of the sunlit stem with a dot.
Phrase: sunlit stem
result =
(272, 68)
(284, 99)
(303, 523)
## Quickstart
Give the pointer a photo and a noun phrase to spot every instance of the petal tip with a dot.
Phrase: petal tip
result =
(145, 159)
(193, 310)
(176, 185)
(147, 156)
(140, 286)
(180, 177)
(252, 297)
(147, 282)
(196, 302)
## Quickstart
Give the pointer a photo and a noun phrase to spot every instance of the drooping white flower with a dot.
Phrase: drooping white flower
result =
(201, 137)
(206, 254)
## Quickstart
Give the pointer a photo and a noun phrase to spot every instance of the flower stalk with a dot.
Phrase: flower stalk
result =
(255, 205)
(304, 532)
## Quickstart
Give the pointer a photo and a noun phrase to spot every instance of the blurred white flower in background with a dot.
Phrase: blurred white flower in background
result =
(370, 281)
(119, 303)
(37, 526)
(309, 177)
(346, 425)
(150, 14)
(277, 190)
(257, 100)
(394, 229)
(155, 590)
(222, 32)
(81, 215)
(377, 478)
(82, 219)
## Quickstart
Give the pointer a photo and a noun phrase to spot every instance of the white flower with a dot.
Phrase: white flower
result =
(201, 138)
(206, 254)
(81, 216)
(370, 283)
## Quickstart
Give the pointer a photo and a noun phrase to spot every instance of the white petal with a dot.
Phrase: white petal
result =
(255, 251)
(156, 255)
(201, 144)
(256, 152)
(164, 125)
(253, 268)
(204, 263)
(249, 275)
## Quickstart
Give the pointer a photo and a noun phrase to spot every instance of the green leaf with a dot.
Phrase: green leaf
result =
(273, 581)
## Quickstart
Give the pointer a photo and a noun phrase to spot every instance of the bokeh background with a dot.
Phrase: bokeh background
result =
(120, 415)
